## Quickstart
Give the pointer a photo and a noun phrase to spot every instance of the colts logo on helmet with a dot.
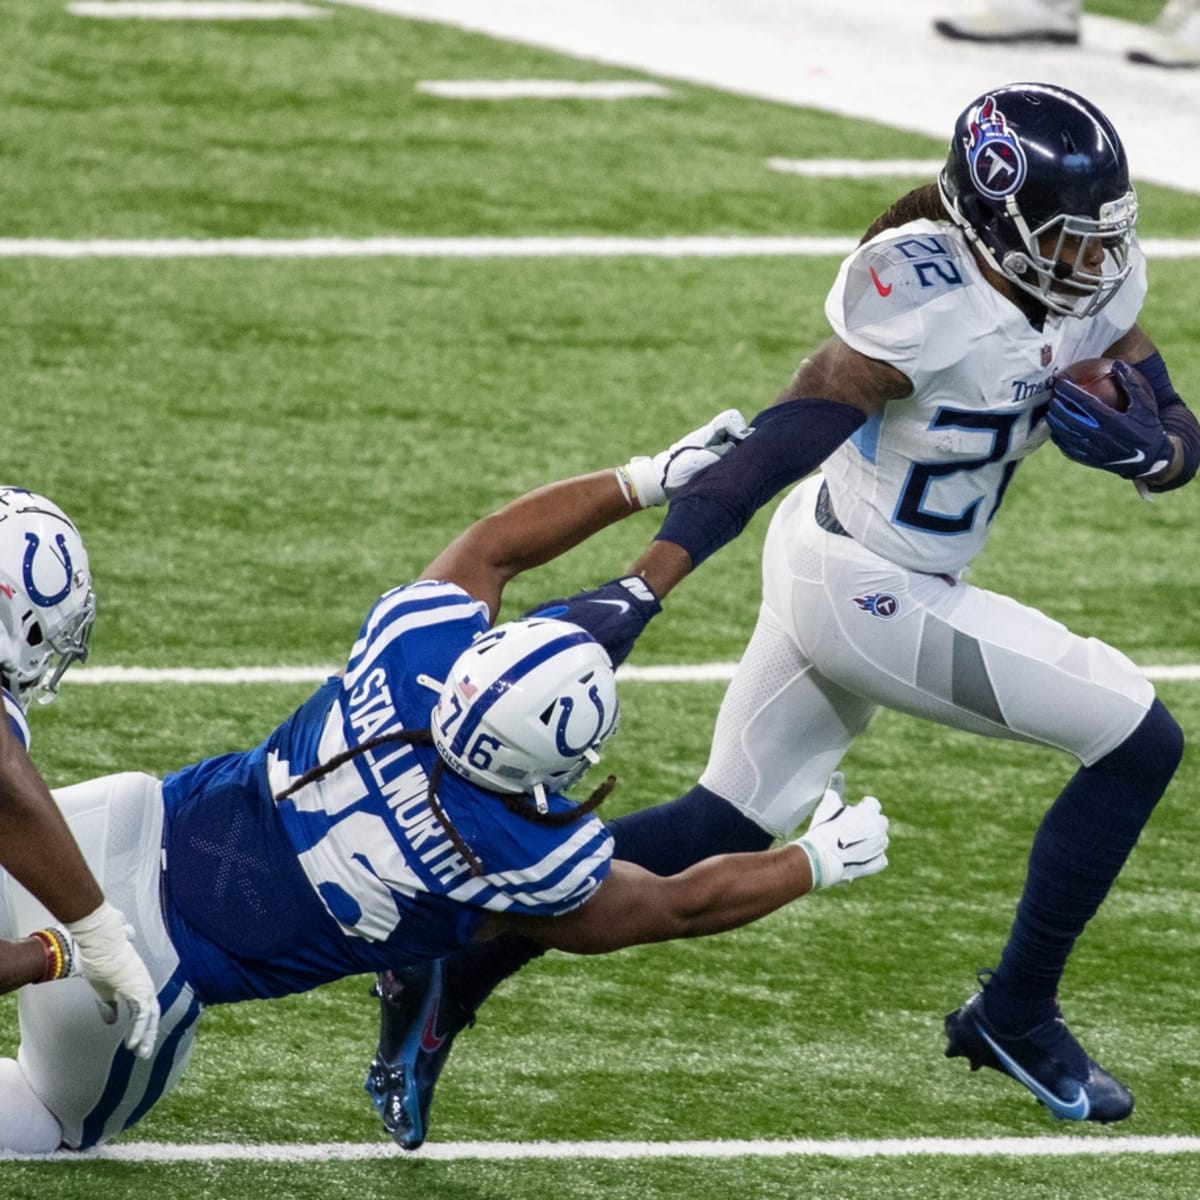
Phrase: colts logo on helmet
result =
(566, 706)
(995, 156)
(32, 544)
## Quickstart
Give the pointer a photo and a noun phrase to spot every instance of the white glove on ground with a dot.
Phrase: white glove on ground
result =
(844, 842)
(656, 480)
(108, 961)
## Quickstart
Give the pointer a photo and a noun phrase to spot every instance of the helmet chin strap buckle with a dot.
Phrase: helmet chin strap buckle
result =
(1016, 263)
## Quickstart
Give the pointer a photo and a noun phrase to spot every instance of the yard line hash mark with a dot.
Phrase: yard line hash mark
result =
(196, 10)
(540, 89)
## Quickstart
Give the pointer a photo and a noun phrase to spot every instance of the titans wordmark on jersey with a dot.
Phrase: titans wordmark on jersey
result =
(919, 483)
(354, 872)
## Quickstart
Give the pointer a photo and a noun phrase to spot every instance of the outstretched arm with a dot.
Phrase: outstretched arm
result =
(633, 906)
(547, 522)
(528, 532)
(831, 394)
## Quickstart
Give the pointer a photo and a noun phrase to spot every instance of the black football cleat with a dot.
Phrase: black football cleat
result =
(418, 1022)
(1047, 1060)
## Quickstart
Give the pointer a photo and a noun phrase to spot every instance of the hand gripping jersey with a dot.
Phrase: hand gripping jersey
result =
(353, 873)
(920, 483)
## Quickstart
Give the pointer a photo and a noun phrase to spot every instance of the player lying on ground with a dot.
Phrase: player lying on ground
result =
(949, 323)
(412, 804)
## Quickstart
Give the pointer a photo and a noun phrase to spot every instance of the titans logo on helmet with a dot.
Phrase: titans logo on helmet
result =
(995, 156)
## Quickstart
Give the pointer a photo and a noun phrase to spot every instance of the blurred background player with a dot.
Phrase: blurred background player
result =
(1173, 40)
(949, 323)
(412, 803)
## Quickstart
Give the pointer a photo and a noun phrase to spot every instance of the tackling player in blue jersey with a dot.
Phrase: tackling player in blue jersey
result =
(412, 804)
(949, 323)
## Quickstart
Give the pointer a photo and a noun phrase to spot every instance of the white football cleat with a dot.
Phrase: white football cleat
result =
(1053, 21)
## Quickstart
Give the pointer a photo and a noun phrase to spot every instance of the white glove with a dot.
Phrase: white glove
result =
(108, 961)
(844, 842)
(656, 480)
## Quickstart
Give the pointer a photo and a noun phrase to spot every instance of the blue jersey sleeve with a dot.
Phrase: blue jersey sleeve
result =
(16, 720)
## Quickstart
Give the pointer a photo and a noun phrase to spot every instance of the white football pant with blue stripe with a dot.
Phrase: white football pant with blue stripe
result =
(74, 1082)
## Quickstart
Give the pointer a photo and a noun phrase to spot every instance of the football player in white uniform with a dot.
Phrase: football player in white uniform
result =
(46, 614)
(949, 323)
(413, 803)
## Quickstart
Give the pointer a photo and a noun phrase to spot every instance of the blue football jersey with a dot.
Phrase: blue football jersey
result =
(354, 872)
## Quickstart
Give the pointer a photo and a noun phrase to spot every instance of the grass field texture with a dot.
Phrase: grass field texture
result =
(254, 450)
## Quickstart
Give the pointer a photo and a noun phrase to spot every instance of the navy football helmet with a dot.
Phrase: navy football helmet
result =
(1038, 180)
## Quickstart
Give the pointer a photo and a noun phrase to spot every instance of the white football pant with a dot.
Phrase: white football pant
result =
(73, 1080)
(842, 632)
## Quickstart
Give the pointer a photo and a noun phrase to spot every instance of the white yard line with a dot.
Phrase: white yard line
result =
(714, 672)
(481, 247)
(1010, 1147)
(196, 10)
(857, 168)
(540, 89)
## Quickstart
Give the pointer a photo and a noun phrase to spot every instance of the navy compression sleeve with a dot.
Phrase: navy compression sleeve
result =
(789, 440)
(1176, 417)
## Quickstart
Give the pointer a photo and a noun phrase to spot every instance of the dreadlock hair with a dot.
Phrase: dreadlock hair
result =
(518, 804)
(923, 203)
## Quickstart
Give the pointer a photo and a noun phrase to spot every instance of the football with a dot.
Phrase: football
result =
(1095, 376)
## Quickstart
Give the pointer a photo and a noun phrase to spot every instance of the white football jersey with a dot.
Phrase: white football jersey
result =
(920, 483)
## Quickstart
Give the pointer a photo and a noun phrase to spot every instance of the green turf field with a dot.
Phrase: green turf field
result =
(254, 449)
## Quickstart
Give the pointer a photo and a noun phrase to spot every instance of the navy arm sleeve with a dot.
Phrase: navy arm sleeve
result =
(789, 440)
(1176, 418)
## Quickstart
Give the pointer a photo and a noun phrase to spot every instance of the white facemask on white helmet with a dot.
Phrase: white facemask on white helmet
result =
(46, 602)
(527, 707)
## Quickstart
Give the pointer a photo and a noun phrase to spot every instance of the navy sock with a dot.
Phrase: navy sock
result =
(666, 838)
(669, 838)
(1078, 851)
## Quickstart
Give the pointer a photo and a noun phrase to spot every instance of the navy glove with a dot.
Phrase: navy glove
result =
(1132, 444)
(614, 613)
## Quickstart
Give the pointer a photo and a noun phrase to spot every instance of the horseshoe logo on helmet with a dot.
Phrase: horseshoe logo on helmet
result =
(567, 707)
(32, 545)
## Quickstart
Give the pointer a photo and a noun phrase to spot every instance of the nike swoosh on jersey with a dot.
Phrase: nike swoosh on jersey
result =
(883, 289)
(1067, 1110)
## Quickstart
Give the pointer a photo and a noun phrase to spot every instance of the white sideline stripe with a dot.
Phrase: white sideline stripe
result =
(715, 672)
(483, 247)
(1012, 1147)
(539, 89)
(857, 168)
(196, 10)
(430, 247)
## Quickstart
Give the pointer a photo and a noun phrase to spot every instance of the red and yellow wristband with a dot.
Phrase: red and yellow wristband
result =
(58, 951)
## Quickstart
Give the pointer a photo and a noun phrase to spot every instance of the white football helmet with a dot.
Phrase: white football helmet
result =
(527, 707)
(46, 602)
